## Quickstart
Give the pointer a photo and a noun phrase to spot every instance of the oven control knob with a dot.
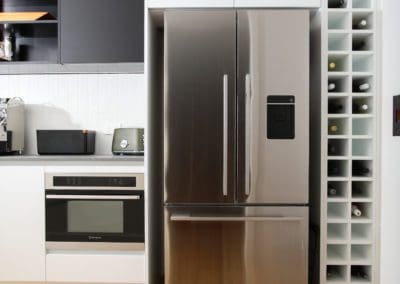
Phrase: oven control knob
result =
(124, 143)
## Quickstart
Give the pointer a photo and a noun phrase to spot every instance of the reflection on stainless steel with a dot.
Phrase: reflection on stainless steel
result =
(97, 246)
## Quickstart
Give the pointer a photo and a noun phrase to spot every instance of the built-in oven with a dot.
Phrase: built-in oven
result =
(94, 209)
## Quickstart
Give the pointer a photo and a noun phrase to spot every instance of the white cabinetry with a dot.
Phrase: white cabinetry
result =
(22, 229)
(278, 3)
(190, 3)
(96, 267)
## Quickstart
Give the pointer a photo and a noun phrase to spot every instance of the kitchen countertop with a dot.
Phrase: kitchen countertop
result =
(73, 159)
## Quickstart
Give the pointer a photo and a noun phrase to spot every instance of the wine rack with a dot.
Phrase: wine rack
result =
(350, 170)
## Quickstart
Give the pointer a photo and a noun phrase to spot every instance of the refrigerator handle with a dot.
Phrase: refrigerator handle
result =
(194, 218)
(248, 134)
(225, 136)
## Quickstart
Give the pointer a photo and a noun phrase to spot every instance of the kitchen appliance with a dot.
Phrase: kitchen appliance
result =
(128, 141)
(12, 125)
(65, 142)
(236, 146)
(94, 210)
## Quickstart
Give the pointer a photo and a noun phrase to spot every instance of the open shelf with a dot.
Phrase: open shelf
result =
(362, 126)
(338, 4)
(362, 41)
(361, 190)
(338, 147)
(361, 232)
(337, 233)
(362, 4)
(337, 210)
(362, 147)
(338, 21)
(338, 168)
(337, 189)
(338, 105)
(337, 253)
(336, 273)
(338, 42)
(362, 20)
(362, 63)
(361, 253)
(360, 274)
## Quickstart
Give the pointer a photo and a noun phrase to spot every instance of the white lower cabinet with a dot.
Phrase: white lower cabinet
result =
(101, 267)
(22, 229)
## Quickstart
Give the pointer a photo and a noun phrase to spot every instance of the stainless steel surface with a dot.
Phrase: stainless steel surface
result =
(200, 48)
(139, 180)
(225, 139)
(273, 50)
(241, 245)
(93, 197)
(98, 246)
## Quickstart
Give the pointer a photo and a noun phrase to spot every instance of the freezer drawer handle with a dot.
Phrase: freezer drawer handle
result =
(191, 218)
(225, 138)
(94, 197)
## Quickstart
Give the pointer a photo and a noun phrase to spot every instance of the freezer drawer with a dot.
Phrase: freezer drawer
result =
(241, 245)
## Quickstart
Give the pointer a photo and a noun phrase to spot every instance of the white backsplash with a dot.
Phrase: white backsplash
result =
(98, 102)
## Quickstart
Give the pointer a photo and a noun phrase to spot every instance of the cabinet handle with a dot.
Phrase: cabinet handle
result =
(193, 218)
(93, 197)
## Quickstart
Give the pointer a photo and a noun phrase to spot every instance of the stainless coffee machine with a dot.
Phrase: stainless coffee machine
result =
(12, 125)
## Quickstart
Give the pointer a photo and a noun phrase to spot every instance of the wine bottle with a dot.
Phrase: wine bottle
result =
(333, 171)
(333, 129)
(337, 4)
(8, 42)
(362, 24)
(332, 150)
(331, 66)
(331, 190)
(331, 87)
(359, 170)
(359, 273)
(359, 45)
(356, 211)
(361, 87)
(360, 108)
(335, 108)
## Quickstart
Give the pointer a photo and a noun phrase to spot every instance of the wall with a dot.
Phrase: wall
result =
(98, 102)
(390, 230)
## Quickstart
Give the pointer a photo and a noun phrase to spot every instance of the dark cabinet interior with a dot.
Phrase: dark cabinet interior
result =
(75, 31)
(102, 31)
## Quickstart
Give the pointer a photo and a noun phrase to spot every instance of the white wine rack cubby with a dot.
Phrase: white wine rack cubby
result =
(350, 170)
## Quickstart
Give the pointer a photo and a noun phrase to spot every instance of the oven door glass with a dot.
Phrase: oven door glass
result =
(100, 216)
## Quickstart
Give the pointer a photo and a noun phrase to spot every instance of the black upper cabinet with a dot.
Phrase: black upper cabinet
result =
(101, 31)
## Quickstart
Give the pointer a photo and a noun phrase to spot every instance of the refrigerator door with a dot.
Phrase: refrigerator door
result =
(239, 245)
(273, 106)
(199, 106)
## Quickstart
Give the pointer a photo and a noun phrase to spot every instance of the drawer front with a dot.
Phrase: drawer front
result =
(95, 268)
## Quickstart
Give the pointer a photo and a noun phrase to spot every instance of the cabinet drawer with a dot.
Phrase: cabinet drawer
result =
(96, 267)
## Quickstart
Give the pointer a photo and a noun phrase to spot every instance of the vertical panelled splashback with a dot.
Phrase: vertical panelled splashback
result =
(100, 102)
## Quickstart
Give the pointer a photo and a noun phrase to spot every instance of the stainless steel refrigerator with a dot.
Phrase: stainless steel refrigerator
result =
(236, 146)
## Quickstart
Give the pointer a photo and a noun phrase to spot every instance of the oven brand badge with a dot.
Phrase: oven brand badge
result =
(94, 238)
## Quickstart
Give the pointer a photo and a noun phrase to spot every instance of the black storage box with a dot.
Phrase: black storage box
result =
(65, 142)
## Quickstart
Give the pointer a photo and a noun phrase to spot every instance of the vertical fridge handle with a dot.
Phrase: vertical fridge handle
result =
(225, 137)
(248, 134)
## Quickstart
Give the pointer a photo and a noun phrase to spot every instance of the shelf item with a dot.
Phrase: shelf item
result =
(362, 168)
(24, 16)
(361, 210)
(337, 168)
(337, 4)
(362, 42)
(362, 20)
(337, 105)
(361, 189)
(338, 126)
(362, 84)
(360, 274)
(338, 84)
(336, 273)
(338, 147)
(337, 189)
(338, 63)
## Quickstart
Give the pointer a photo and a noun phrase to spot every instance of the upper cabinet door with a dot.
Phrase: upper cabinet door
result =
(199, 105)
(278, 3)
(190, 3)
(102, 31)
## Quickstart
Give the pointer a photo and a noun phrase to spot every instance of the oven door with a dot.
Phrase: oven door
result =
(95, 216)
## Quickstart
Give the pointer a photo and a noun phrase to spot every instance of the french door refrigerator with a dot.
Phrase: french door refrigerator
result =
(236, 146)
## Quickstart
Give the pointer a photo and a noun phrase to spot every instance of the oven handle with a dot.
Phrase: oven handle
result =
(93, 197)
